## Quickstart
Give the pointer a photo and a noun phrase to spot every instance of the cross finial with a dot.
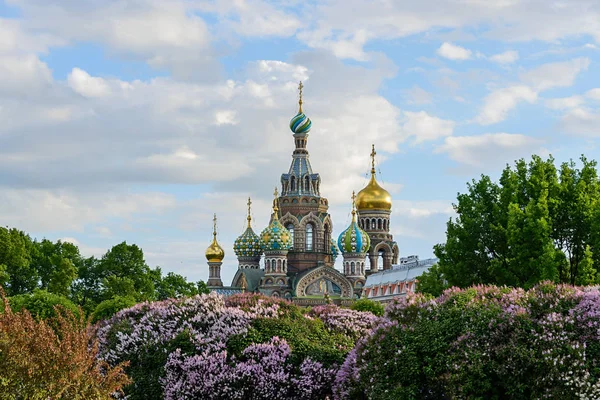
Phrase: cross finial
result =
(373, 154)
(353, 206)
(300, 87)
(249, 216)
(275, 205)
(215, 226)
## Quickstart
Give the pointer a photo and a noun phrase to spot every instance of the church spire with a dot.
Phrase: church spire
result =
(300, 87)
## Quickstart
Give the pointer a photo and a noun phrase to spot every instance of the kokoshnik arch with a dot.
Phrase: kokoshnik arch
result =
(298, 244)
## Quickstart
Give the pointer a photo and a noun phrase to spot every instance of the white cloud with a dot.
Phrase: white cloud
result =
(489, 148)
(425, 127)
(87, 86)
(564, 102)
(508, 57)
(23, 75)
(225, 117)
(499, 103)
(581, 121)
(34, 210)
(453, 52)
(558, 74)
(593, 94)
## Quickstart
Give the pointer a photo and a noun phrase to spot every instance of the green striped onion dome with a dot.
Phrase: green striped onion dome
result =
(300, 123)
(354, 239)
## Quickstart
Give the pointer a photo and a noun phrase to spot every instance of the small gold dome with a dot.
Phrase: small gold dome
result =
(214, 252)
(373, 196)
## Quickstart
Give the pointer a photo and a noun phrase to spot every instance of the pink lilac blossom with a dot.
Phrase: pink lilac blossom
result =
(262, 371)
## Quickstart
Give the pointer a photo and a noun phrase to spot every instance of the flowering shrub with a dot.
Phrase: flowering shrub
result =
(52, 359)
(246, 347)
(482, 342)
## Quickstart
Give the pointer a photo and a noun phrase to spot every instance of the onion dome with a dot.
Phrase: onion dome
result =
(373, 196)
(275, 237)
(248, 244)
(215, 252)
(354, 239)
(300, 124)
(334, 250)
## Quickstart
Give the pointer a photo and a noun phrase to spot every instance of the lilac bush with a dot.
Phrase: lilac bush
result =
(482, 342)
(211, 348)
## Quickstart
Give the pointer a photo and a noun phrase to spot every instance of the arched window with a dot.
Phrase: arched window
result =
(352, 268)
(379, 224)
(278, 265)
(307, 184)
(293, 183)
(309, 237)
(327, 239)
(290, 227)
(368, 225)
(268, 266)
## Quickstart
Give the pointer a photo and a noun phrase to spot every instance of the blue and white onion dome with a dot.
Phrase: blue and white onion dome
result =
(248, 244)
(275, 237)
(354, 239)
(300, 124)
(334, 250)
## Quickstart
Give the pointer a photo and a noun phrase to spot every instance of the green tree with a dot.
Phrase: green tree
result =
(534, 224)
(15, 254)
(57, 264)
(173, 285)
(124, 273)
(432, 282)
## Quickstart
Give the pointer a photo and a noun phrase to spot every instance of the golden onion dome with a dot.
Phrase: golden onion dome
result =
(214, 252)
(373, 196)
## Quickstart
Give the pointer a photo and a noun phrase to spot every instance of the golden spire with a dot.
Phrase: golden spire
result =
(215, 226)
(373, 196)
(300, 87)
(243, 283)
(249, 218)
(215, 252)
(373, 154)
(353, 206)
(275, 205)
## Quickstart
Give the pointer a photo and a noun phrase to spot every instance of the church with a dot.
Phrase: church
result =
(298, 244)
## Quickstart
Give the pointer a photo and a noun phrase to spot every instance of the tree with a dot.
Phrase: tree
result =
(125, 273)
(432, 281)
(173, 285)
(16, 250)
(536, 223)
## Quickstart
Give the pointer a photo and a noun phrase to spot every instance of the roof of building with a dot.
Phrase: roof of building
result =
(406, 272)
(226, 290)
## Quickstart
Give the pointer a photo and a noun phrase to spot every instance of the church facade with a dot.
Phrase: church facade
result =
(294, 256)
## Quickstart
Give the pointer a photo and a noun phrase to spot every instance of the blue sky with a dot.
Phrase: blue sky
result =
(137, 120)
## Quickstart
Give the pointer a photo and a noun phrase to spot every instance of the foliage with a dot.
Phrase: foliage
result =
(538, 222)
(110, 307)
(482, 342)
(58, 267)
(42, 304)
(369, 305)
(432, 281)
(52, 359)
(248, 346)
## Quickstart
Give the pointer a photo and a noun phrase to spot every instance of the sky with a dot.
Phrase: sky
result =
(136, 120)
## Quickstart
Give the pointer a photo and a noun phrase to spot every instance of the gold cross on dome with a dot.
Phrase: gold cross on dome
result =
(353, 199)
(275, 193)
(373, 154)
(249, 216)
(215, 225)
(300, 87)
